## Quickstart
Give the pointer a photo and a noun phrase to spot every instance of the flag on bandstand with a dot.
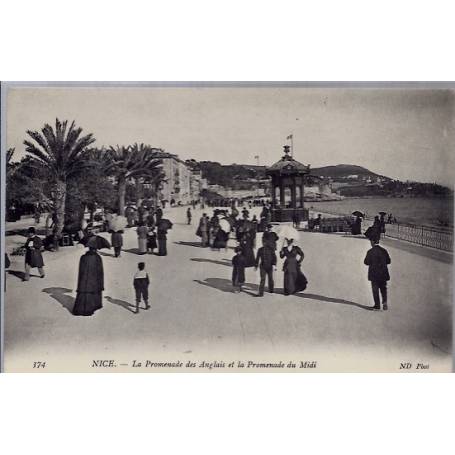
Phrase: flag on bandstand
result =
(289, 137)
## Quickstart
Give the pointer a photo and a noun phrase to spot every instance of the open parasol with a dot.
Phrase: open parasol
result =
(118, 223)
(164, 223)
(357, 213)
(95, 241)
(225, 225)
(287, 232)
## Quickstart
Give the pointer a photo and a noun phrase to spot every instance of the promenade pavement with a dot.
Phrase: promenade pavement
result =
(195, 316)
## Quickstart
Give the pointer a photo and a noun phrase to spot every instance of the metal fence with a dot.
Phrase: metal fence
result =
(422, 235)
(442, 239)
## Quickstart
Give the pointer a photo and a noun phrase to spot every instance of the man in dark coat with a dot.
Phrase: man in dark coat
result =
(238, 270)
(377, 259)
(270, 237)
(266, 261)
(90, 282)
(33, 256)
(158, 214)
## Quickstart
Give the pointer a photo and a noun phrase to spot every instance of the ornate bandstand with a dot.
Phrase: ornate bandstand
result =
(288, 181)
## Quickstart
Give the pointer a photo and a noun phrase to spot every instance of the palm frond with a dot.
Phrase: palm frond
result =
(36, 136)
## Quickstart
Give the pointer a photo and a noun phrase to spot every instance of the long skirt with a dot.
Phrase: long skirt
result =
(205, 238)
(87, 303)
(289, 282)
(142, 246)
(248, 253)
(162, 247)
(220, 240)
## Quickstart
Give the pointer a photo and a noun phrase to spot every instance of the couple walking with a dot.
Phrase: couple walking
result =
(266, 261)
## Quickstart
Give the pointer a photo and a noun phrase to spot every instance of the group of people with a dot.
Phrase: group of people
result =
(90, 281)
(265, 260)
(214, 232)
(151, 230)
(149, 216)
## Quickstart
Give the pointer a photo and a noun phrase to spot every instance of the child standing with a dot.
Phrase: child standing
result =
(141, 286)
(238, 270)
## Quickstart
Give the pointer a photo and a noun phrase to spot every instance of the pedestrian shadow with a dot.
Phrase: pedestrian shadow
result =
(213, 261)
(225, 285)
(195, 244)
(18, 274)
(133, 251)
(252, 289)
(126, 305)
(23, 232)
(323, 298)
(59, 294)
(358, 236)
(110, 255)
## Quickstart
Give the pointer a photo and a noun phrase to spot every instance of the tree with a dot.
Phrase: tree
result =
(26, 185)
(9, 156)
(62, 154)
(90, 190)
(132, 162)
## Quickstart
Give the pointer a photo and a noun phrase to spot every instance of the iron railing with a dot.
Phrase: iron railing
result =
(441, 239)
(422, 235)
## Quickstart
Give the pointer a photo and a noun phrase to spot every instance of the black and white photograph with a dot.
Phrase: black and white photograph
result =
(228, 227)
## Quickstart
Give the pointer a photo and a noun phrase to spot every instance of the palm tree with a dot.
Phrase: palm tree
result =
(9, 155)
(62, 154)
(132, 162)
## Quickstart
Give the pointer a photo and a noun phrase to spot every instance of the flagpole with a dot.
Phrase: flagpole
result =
(292, 145)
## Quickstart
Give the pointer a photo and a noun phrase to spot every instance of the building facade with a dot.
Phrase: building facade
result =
(182, 184)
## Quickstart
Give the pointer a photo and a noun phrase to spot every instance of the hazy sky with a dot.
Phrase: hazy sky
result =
(405, 134)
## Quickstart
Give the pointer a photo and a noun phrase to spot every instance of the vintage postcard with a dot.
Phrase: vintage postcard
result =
(227, 227)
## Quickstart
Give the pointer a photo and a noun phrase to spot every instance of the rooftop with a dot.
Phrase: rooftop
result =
(288, 164)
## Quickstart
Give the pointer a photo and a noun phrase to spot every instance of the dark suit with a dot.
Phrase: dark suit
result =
(265, 260)
(377, 259)
(238, 271)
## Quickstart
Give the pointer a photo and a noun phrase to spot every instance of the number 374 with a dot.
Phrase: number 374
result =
(39, 364)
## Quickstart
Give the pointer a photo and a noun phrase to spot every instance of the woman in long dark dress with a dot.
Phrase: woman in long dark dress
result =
(221, 239)
(90, 283)
(356, 228)
(163, 227)
(33, 256)
(294, 280)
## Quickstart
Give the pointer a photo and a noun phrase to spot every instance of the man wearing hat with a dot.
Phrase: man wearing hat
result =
(377, 260)
(269, 237)
(266, 261)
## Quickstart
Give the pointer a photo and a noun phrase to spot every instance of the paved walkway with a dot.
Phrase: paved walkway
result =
(195, 316)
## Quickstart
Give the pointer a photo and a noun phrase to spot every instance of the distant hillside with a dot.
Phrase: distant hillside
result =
(223, 174)
(342, 170)
(358, 179)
